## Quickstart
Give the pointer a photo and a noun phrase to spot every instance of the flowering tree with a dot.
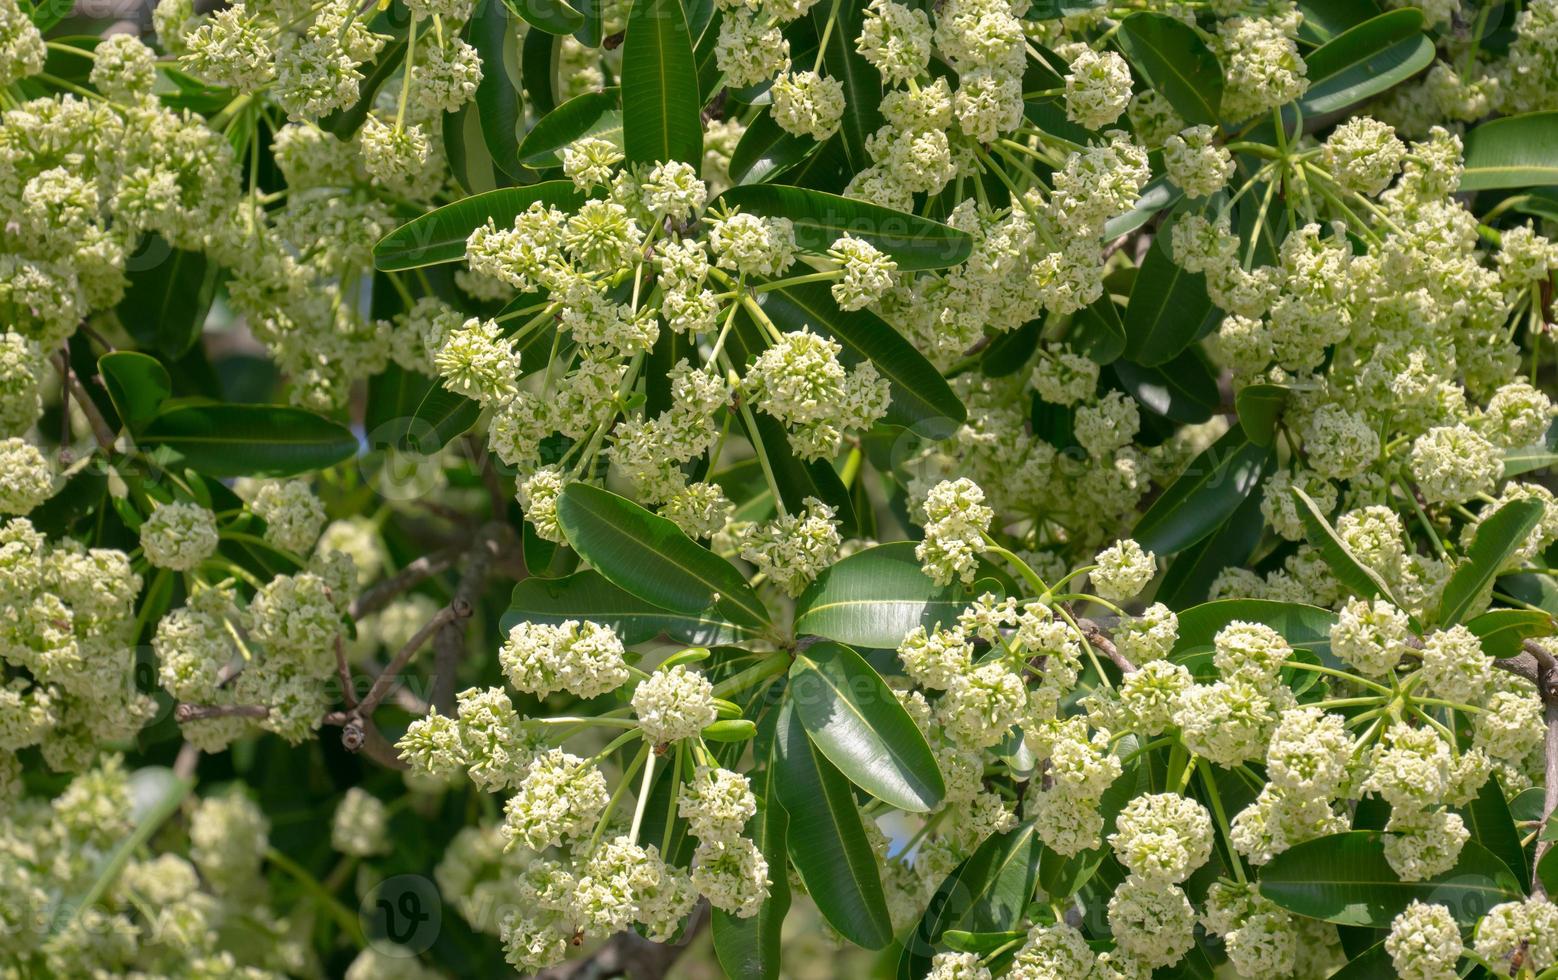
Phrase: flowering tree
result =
(1051, 489)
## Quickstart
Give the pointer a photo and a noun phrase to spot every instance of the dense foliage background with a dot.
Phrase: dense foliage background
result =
(1042, 488)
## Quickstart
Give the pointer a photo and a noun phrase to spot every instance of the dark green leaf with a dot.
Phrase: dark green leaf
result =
(1167, 308)
(820, 219)
(766, 151)
(1097, 331)
(249, 440)
(1538, 457)
(842, 60)
(1183, 390)
(1498, 537)
(1325, 19)
(168, 293)
(551, 16)
(537, 68)
(661, 105)
(1516, 151)
(1205, 495)
(1171, 57)
(920, 395)
(855, 720)
(1488, 819)
(439, 235)
(1259, 406)
(1344, 878)
(591, 114)
(799, 479)
(1304, 627)
(138, 385)
(650, 557)
(586, 595)
(498, 104)
(826, 839)
(748, 949)
(1190, 575)
(875, 596)
(1366, 60)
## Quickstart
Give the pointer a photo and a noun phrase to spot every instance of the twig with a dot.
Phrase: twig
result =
(1094, 634)
(458, 609)
(100, 430)
(627, 954)
(203, 712)
(1550, 796)
(406, 579)
(449, 643)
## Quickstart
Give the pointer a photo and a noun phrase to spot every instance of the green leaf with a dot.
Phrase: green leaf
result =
(1171, 57)
(826, 839)
(1366, 60)
(1190, 575)
(168, 293)
(748, 949)
(538, 69)
(592, 32)
(1259, 406)
(1372, 963)
(439, 235)
(551, 16)
(249, 440)
(137, 384)
(591, 114)
(1490, 823)
(920, 395)
(820, 219)
(988, 892)
(470, 163)
(1497, 538)
(873, 597)
(650, 557)
(1325, 19)
(440, 416)
(766, 150)
(842, 61)
(1344, 878)
(1183, 390)
(1547, 871)
(1305, 627)
(1167, 308)
(1205, 495)
(854, 719)
(1159, 193)
(587, 595)
(1515, 151)
(498, 103)
(1503, 631)
(1097, 331)
(661, 104)
(1354, 575)
(1525, 459)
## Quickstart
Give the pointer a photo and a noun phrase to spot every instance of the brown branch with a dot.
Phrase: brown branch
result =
(406, 579)
(203, 712)
(458, 609)
(1549, 795)
(1094, 634)
(449, 642)
(100, 430)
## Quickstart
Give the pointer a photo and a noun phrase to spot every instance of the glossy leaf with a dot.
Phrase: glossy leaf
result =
(1515, 151)
(1183, 390)
(919, 393)
(650, 557)
(1190, 575)
(1305, 627)
(440, 234)
(1527, 459)
(249, 440)
(498, 105)
(820, 219)
(799, 479)
(1259, 406)
(137, 383)
(748, 948)
(1209, 490)
(1490, 823)
(842, 61)
(591, 114)
(661, 106)
(766, 150)
(551, 16)
(1325, 19)
(1356, 577)
(875, 596)
(1366, 60)
(1171, 57)
(1504, 631)
(587, 595)
(1498, 537)
(168, 294)
(1344, 878)
(826, 839)
(855, 720)
(1167, 308)
(1098, 332)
